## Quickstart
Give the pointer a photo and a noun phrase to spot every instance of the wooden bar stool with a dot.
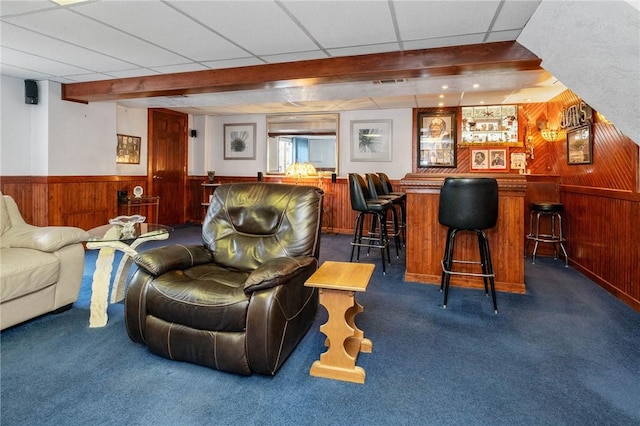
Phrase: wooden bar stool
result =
(554, 212)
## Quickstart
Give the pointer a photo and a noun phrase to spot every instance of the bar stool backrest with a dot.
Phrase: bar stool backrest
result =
(357, 192)
(375, 186)
(469, 203)
(386, 183)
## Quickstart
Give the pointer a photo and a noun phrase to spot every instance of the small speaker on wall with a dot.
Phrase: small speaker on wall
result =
(334, 178)
(31, 92)
(259, 176)
(193, 133)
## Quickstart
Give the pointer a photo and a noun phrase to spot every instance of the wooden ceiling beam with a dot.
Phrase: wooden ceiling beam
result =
(457, 60)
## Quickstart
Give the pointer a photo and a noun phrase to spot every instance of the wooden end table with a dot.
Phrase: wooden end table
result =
(338, 282)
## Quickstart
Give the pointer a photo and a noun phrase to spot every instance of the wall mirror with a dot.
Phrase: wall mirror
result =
(302, 138)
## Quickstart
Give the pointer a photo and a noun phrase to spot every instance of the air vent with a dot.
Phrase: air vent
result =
(390, 81)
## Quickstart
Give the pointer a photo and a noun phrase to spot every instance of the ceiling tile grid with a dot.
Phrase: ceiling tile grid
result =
(102, 39)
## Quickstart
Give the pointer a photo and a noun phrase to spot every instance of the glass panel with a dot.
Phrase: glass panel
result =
(302, 138)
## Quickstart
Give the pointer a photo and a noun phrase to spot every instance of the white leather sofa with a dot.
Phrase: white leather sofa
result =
(40, 267)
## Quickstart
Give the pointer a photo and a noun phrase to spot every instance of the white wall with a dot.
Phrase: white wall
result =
(82, 137)
(18, 156)
(213, 158)
(60, 138)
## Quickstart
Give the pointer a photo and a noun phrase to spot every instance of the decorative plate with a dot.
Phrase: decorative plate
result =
(138, 191)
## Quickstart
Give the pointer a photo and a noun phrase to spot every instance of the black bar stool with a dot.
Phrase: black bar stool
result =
(376, 191)
(377, 210)
(387, 189)
(554, 212)
(468, 204)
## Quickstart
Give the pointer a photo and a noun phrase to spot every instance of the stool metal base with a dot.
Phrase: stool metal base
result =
(553, 211)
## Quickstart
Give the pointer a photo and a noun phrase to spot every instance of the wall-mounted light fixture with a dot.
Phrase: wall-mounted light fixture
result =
(548, 134)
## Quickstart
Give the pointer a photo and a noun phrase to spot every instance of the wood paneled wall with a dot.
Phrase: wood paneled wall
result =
(82, 201)
(602, 204)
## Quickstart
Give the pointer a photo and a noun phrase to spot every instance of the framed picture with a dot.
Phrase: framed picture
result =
(371, 140)
(580, 146)
(128, 149)
(240, 141)
(518, 161)
(498, 159)
(479, 159)
(436, 139)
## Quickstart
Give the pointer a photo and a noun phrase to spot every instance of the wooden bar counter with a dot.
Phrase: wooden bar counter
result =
(426, 237)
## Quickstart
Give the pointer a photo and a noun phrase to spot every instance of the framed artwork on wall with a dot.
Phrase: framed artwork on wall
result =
(436, 139)
(371, 140)
(479, 160)
(128, 149)
(240, 141)
(580, 146)
(498, 159)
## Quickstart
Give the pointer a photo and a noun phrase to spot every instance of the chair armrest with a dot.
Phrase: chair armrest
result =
(44, 238)
(162, 259)
(278, 271)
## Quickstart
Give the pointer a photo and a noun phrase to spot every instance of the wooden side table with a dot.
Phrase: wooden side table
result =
(338, 282)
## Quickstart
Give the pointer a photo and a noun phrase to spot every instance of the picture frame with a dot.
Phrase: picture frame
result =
(128, 149)
(580, 146)
(498, 159)
(436, 139)
(371, 140)
(479, 159)
(240, 141)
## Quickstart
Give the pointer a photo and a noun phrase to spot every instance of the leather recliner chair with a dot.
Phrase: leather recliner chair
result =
(238, 302)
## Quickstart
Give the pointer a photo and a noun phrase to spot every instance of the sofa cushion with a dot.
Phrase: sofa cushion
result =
(26, 271)
(49, 238)
(5, 221)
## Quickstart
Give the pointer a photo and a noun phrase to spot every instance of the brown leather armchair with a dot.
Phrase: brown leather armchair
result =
(238, 302)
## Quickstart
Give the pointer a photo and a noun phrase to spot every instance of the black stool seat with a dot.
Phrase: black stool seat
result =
(547, 207)
(552, 210)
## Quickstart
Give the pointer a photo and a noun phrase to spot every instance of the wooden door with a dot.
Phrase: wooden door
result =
(168, 163)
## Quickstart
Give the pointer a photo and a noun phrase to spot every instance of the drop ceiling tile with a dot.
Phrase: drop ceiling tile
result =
(150, 21)
(260, 27)
(444, 41)
(27, 61)
(339, 24)
(65, 25)
(16, 7)
(22, 74)
(233, 63)
(515, 15)
(81, 78)
(364, 50)
(502, 35)
(39, 45)
(188, 67)
(430, 19)
(295, 56)
(134, 72)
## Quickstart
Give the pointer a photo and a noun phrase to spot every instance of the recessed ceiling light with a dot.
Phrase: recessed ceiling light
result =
(445, 87)
(441, 96)
(481, 102)
(476, 85)
(440, 103)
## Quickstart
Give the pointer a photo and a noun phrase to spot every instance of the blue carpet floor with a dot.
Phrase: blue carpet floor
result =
(565, 353)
